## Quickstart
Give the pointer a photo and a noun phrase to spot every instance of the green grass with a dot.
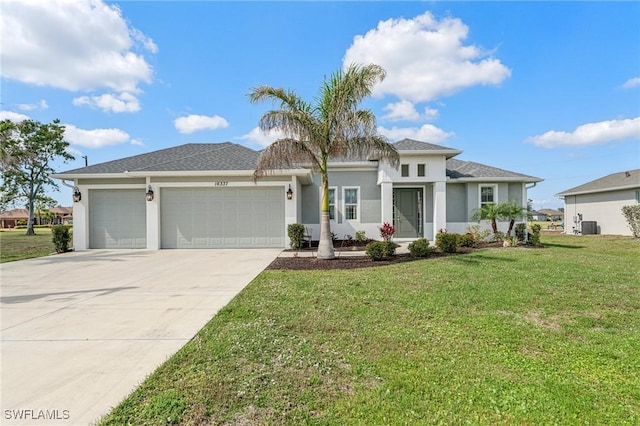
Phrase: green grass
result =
(498, 336)
(15, 245)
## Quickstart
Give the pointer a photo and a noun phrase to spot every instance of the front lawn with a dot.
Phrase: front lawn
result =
(500, 335)
(15, 245)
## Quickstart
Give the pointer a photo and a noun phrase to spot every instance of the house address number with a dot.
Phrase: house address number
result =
(221, 183)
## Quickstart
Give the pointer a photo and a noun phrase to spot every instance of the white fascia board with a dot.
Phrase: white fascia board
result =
(596, 191)
(292, 172)
(493, 179)
(354, 165)
(449, 153)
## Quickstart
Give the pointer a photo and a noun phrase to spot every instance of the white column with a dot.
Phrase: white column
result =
(439, 207)
(153, 219)
(386, 200)
(81, 221)
(291, 206)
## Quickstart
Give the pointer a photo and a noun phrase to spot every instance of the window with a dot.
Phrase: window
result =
(332, 204)
(488, 194)
(638, 197)
(404, 170)
(351, 203)
(421, 170)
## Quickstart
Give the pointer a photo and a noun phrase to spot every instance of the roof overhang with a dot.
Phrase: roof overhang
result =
(495, 179)
(448, 153)
(597, 191)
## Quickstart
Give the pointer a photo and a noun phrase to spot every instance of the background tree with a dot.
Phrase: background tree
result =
(331, 127)
(28, 149)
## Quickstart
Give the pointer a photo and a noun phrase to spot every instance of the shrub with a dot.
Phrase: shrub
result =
(295, 231)
(61, 238)
(521, 231)
(387, 230)
(467, 240)
(448, 242)
(361, 237)
(632, 215)
(535, 234)
(478, 234)
(379, 250)
(420, 248)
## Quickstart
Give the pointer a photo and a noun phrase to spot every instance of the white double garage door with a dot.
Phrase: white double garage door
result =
(189, 218)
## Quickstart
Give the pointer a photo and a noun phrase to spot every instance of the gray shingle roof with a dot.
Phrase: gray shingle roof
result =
(621, 180)
(414, 145)
(458, 169)
(191, 157)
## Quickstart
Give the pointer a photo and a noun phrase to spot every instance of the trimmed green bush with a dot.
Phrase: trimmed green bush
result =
(295, 231)
(420, 248)
(361, 237)
(467, 240)
(632, 215)
(448, 242)
(61, 238)
(521, 231)
(535, 234)
(379, 250)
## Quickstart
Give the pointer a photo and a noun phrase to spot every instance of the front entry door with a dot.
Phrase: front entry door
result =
(407, 212)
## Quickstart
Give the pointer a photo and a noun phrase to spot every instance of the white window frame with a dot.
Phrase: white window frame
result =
(344, 203)
(495, 193)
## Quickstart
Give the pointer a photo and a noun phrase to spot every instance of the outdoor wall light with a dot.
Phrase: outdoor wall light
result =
(77, 195)
(149, 194)
(289, 193)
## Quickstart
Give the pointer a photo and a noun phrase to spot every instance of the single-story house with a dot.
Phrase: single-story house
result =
(60, 216)
(203, 196)
(599, 203)
(547, 214)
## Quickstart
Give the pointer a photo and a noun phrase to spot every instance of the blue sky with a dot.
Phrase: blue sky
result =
(543, 88)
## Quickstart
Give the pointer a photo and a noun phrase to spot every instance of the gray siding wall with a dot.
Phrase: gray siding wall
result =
(370, 205)
(457, 202)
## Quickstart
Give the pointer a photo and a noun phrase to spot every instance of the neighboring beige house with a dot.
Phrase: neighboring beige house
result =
(601, 201)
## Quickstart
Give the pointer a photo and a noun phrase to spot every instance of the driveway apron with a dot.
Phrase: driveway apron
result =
(81, 330)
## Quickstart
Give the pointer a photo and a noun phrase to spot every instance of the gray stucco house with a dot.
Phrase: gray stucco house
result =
(601, 201)
(203, 196)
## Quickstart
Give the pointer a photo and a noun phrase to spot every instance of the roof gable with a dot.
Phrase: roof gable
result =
(621, 180)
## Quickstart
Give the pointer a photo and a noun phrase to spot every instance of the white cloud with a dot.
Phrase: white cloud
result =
(426, 133)
(258, 137)
(193, 123)
(406, 111)
(123, 102)
(30, 107)
(96, 138)
(425, 58)
(590, 134)
(136, 142)
(631, 83)
(73, 45)
(13, 116)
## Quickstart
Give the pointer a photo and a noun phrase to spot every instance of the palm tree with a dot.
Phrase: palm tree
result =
(491, 212)
(512, 210)
(331, 127)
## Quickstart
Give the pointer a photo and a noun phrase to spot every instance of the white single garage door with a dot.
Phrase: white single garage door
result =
(117, 218)
(222, 217)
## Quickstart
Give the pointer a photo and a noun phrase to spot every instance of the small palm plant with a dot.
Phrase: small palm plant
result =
(493, 213)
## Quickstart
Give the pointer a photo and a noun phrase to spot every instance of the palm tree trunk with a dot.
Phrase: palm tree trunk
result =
(325, 246)
(494, 227)
(511, 223)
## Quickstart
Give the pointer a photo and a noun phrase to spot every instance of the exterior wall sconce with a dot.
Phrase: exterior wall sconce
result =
(149, 194)
(290, 193)
(77, 195)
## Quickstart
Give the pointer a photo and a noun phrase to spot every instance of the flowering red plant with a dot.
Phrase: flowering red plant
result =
(387, 230)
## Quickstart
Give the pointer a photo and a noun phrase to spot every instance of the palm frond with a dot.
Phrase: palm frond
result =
(285, 154)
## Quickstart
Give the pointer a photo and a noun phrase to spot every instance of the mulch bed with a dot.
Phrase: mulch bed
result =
(349, 262)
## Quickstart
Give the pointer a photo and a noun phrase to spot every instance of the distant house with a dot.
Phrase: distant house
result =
(203, 196)
(599, 203)
(12, 218)
(550, 214)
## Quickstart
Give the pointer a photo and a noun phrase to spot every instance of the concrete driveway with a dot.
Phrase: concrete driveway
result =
(81, 330)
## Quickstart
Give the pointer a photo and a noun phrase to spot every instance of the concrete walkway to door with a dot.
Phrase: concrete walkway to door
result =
(81, 330)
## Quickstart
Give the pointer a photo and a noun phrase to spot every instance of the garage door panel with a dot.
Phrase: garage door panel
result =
(222, 217)
(117, 218)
